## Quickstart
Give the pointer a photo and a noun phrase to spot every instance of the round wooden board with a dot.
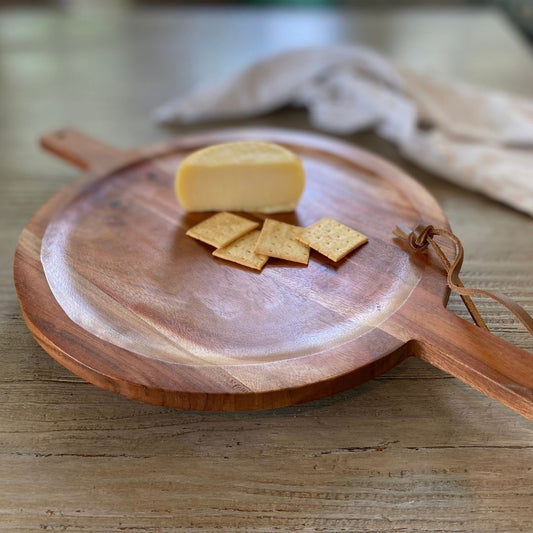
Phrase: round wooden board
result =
(112, 287)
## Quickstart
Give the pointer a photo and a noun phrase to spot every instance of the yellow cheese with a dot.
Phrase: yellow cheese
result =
(241, 176)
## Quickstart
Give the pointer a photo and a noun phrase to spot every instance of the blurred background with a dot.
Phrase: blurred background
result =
(104, 63)
(520, 12)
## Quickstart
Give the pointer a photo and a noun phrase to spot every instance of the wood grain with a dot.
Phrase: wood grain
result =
(414, 450)
(113, 289)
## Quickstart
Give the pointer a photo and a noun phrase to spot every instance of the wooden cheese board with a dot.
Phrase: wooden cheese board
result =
(111, 287)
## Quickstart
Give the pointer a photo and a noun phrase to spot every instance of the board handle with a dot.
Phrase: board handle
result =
(480, 359)
(83, 151)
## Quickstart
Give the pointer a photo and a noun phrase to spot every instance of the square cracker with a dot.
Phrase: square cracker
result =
(331, 238)
(221, 229)
(241, 251)
(278, 239)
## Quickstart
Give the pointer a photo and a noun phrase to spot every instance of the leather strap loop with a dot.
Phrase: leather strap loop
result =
(423, 237)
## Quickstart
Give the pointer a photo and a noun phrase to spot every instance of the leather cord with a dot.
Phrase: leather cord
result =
(423, 237)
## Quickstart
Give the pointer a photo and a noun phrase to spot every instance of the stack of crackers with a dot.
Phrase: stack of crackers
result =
(239, 239)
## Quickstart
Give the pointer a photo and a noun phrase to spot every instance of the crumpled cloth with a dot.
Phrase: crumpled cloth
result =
(478, 139)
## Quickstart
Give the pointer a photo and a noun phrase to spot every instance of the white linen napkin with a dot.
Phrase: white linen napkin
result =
(478, 139)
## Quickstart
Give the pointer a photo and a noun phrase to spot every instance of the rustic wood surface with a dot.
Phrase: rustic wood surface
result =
(413, 450)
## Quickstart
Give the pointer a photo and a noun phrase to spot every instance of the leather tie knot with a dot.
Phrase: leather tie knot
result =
(419, 242)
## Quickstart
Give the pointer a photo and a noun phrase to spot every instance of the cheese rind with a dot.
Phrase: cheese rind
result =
(249, 176)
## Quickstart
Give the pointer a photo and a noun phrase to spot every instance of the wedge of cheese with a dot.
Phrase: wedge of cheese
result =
(249, 176)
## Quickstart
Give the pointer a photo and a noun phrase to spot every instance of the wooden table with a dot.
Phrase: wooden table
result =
(414, 450)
